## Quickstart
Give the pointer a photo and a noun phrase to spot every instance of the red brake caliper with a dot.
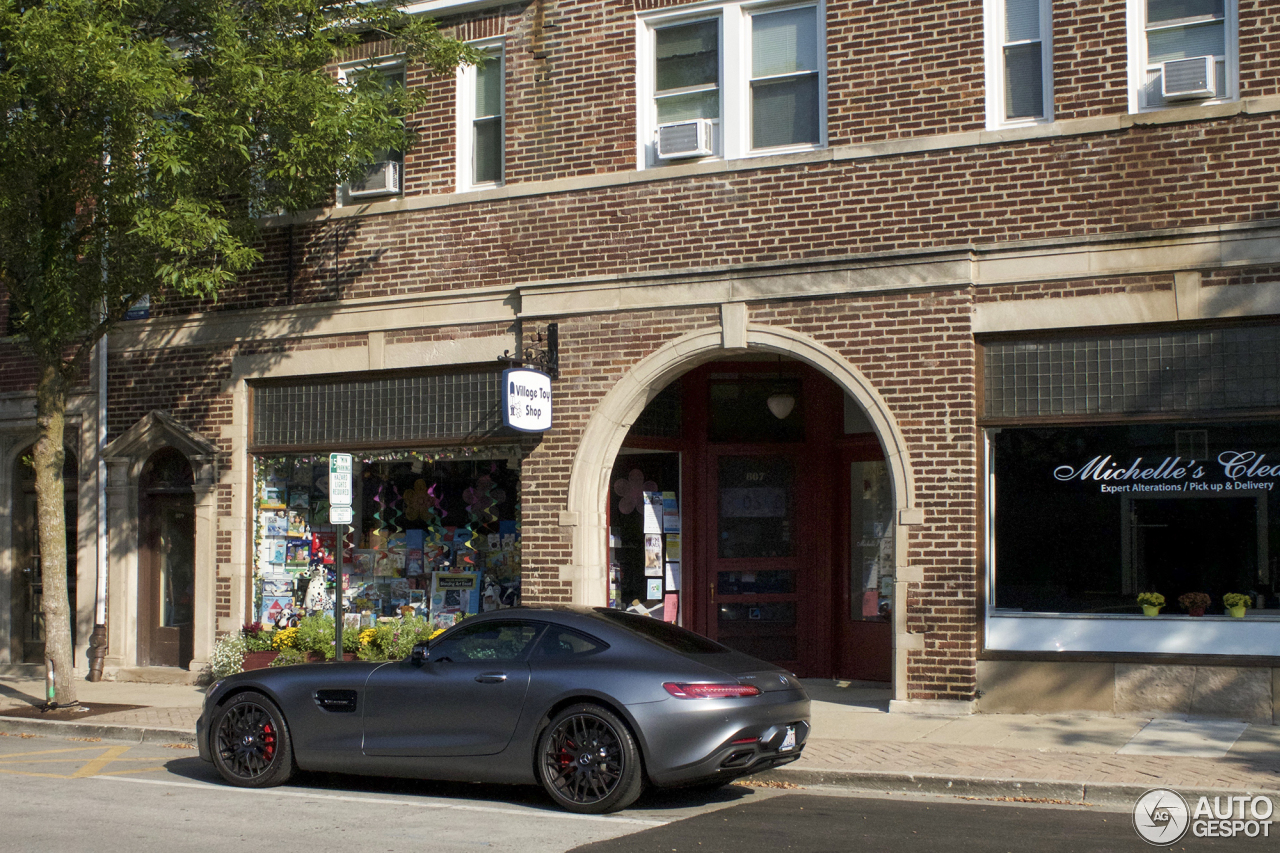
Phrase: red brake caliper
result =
(268, 741)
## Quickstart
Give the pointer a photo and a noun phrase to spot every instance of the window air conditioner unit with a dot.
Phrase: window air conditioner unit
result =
(684, 139)
(383, 178)
(1183, 79)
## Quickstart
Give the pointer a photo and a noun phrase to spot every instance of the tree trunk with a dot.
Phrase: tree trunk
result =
(51, 524)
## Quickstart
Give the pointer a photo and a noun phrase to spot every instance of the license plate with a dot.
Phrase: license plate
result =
(788, 742)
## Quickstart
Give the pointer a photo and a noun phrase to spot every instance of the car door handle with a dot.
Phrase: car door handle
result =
(491, 677)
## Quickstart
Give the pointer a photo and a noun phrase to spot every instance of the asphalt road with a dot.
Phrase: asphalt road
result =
(809, 822)
(73, 795)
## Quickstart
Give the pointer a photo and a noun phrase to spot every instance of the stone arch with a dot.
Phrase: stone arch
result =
(126, 458)
(617, 411)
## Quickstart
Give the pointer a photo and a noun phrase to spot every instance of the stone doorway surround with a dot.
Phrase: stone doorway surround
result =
(125, 458)
(618, 410)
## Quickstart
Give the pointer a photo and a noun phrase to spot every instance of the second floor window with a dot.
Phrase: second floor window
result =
(481, 108)
(385, 176)
(1183, 52)
(735, 82)
(1019, 62)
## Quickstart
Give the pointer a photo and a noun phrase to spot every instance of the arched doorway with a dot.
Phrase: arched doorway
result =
(775, 533)
(166, 560)
(27, 587)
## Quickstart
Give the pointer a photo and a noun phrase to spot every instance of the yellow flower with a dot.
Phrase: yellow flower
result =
(436, 633)
(285, 639)
(367, 635)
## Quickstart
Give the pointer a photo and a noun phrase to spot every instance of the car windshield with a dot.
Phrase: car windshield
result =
(664, 633)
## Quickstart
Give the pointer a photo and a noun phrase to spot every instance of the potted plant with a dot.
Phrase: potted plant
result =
(1194, 602)
(1151, 602)
(1236, 603)
(257, 643)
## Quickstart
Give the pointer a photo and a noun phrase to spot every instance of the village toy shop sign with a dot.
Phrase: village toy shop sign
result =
(526, 400)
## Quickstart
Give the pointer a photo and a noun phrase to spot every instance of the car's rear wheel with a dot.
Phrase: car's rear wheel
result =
(589, 762)
(251, 744)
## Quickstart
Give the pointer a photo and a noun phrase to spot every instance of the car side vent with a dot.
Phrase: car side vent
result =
(337, 701)
(1182, 79)
(684, 139)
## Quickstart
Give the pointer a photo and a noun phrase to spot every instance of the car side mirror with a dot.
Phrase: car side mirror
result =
(421, 654)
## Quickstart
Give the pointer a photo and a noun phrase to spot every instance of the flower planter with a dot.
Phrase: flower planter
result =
(258, 660)
(1236, 611)
(1196, 611)
(1150, 610)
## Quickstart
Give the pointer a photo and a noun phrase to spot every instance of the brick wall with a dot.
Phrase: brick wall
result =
(1142, 179)
(918, 352)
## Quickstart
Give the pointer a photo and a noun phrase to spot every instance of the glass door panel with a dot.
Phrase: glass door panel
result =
(755, 573)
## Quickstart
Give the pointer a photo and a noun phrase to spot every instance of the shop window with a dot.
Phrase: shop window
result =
(645, 554)
(871, 564)
(438, 537)
(1084, 518)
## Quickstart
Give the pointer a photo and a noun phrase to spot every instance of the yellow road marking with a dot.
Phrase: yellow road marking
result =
(127, 772)
(18, 756)
(24, 773)
(97, 764)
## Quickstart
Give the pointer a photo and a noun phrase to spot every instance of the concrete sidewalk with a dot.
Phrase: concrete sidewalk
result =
(856, 744)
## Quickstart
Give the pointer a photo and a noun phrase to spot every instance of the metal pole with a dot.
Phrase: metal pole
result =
(337, 596)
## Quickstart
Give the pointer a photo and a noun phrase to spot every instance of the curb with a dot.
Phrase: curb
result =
(1107, 795)
(103, 731)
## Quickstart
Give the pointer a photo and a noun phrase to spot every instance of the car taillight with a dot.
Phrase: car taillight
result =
(733, 690)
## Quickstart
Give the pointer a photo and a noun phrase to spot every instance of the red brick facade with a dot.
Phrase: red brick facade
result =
(895, 71)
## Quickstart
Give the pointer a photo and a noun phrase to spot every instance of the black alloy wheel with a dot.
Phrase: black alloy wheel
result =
(251, 745)
(589, 762)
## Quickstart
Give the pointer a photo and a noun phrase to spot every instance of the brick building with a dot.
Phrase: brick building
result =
(1015, 265)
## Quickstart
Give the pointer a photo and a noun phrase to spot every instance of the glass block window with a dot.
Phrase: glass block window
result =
(1147, 373)
(382, 410)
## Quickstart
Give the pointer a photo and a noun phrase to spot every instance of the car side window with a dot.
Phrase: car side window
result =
(487, 641)
(561, 643)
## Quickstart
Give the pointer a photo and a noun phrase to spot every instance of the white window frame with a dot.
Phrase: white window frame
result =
(1138, 66)
(464, 167)
(731, 132)
(994, 15)
(380, 65)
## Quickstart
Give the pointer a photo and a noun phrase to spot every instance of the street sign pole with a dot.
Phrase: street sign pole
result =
(339, 516)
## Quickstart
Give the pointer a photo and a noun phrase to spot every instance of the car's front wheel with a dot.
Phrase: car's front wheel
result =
(251, 744)
(589, 762)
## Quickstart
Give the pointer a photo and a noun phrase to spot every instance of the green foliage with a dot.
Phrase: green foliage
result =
(1237, 599)
(256, 639)
(289, 657)
(141, 142)
(1151, 599)
(394, 640)
(315, 634)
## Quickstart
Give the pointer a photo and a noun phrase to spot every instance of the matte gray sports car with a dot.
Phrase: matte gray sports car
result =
(591, 703)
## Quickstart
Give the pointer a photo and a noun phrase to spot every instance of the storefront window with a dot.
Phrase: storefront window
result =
(644, 535)
(436, 535)
(1087, 517)
(871, 534)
